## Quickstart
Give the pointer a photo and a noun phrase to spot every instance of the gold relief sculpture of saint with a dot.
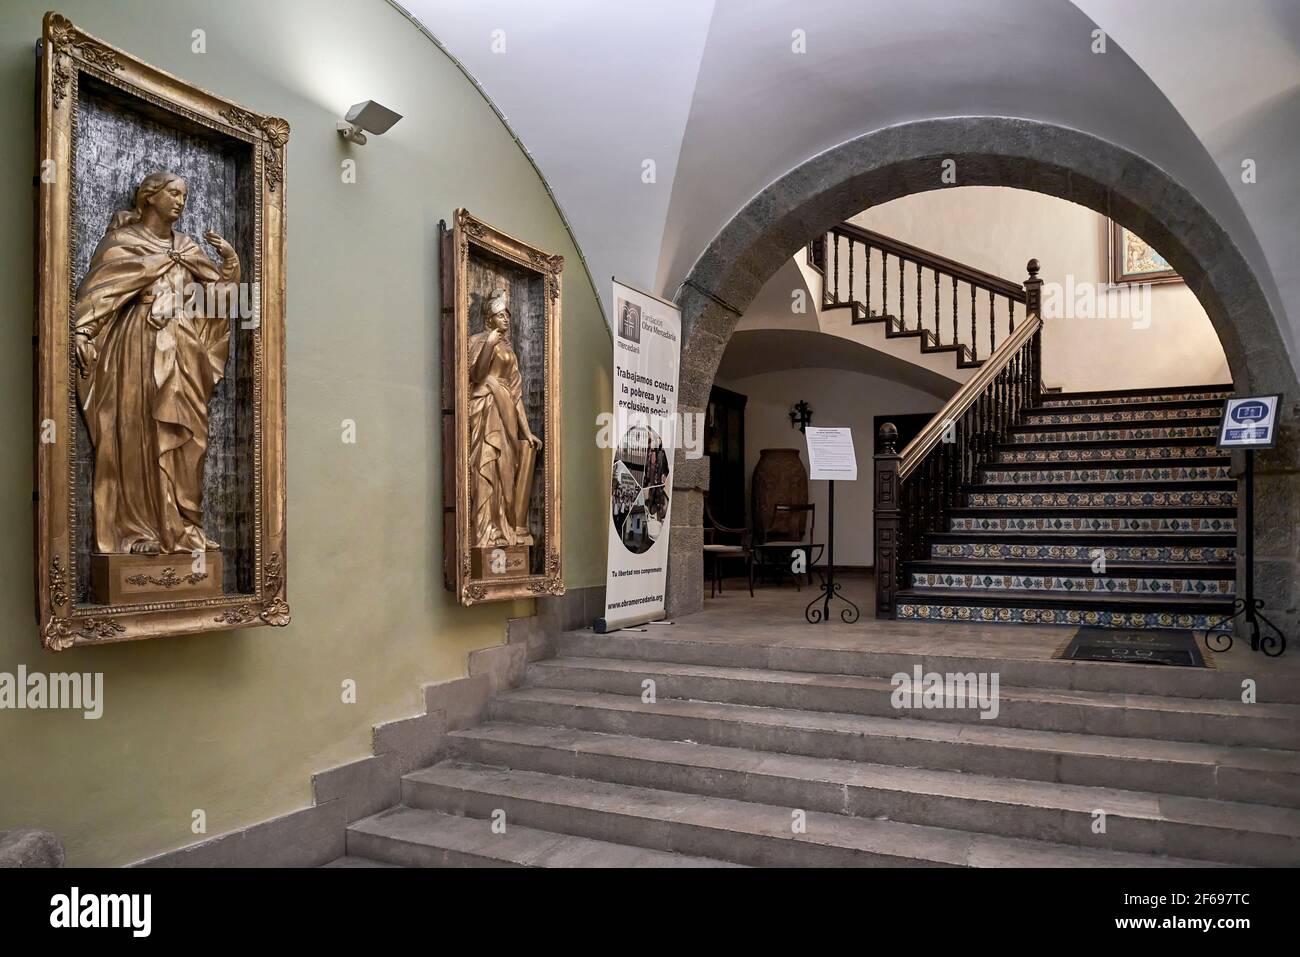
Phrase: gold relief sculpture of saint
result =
(502, 446)
(150, 350)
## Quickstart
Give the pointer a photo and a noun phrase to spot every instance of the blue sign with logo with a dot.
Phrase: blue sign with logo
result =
(1249, 422)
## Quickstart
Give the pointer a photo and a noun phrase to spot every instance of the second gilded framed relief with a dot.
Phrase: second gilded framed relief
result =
(159, 352)
(501, 356)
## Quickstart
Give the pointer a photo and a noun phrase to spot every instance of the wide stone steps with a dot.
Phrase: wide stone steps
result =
(416, 837)
(1134, 821)
(1209, 720)
(1168, 767)
(741, 831)
(804, 653)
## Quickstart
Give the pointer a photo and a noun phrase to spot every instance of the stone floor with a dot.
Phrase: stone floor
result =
(775, 616)
(698, 743)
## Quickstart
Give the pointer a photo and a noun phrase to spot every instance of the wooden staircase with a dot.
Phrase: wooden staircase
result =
(945, 305)
(1111, 509)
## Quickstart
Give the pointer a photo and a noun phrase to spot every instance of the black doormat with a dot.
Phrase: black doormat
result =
(1134, 647)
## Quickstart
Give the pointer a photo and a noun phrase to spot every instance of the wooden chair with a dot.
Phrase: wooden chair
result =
(716, 552)
(785, 547)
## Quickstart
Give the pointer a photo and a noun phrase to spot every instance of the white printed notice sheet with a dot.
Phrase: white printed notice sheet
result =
(830, 454)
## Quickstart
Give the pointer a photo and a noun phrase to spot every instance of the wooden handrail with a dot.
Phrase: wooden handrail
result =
(950, 267)
(971, 390)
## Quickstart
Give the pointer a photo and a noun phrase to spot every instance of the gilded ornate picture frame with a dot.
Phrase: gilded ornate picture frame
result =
(1132, 260)
(501, 404)
(116, 138)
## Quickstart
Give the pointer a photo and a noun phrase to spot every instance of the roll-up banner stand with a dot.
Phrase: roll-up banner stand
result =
(644, 436)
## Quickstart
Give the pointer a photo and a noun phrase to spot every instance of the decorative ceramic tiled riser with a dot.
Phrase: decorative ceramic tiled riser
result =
(1016, 456)
(1069, 416)
(1081, 553)
(1060, 616)
(1120, 434)
(1059, 403)
(1086, 523)
(1113, 499)
(1045, 476)
(1076, 584)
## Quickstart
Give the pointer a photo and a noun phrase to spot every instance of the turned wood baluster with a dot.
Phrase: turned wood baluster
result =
(836, 276)
(1011, 316)
(866, 273)
(884, 286)
(954, 312)
(938, 336)
(993, 325)
(974, 336)
(851, 271)
(936, 498)
(909, 529)
(954, 462)
(920, 313)
(902, 307)
(1015, 392)
(919, 513)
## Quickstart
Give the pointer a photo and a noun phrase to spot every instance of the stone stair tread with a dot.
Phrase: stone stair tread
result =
(1200, 420)
(1138, 406)
(517, 845)
(1106, 699)
(1073, 798)
(904, 842)
(1008, 597)
(1179, 485)
(352, 860)
(1071, 537)
(1103, 464)
(1059, 742)
(1150, 569)
(1190, 391)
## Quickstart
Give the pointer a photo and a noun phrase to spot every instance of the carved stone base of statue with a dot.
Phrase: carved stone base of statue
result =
(137, 579)
(514, 561)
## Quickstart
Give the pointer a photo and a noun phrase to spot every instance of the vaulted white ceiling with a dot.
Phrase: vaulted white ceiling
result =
(715, 94)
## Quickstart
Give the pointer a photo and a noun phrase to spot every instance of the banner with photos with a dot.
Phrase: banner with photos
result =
(647, 352)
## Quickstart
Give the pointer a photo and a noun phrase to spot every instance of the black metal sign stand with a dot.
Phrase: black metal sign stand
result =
(1248, 605)
(830, 588)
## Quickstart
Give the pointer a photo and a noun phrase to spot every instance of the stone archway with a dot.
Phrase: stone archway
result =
(994, 151)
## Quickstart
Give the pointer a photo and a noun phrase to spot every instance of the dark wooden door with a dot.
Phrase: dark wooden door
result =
(724, 444)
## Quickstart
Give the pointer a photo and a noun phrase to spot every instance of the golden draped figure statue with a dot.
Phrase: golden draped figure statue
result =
(502, 446)
(150, 351)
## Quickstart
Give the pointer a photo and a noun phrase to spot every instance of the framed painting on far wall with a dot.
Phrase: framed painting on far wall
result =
(1132, 259)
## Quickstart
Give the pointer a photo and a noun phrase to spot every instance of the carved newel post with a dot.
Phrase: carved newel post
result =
(887, 517)
(1034, 307)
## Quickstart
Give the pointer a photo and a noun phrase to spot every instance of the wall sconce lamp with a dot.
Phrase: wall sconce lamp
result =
(801, 414)
(369, 116)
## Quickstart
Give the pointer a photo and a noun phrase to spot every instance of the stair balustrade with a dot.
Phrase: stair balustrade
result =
(916, 488)
(881, 279)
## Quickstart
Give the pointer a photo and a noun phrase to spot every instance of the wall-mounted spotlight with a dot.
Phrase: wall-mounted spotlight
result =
(369, 116)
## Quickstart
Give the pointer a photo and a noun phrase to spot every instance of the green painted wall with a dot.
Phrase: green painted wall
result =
(236, 722)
